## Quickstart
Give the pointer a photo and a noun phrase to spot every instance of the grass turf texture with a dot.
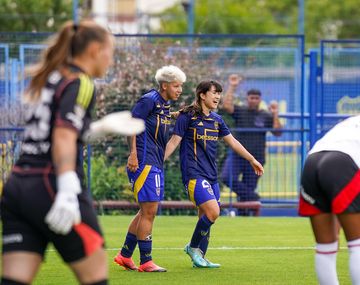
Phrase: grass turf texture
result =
(250, 250)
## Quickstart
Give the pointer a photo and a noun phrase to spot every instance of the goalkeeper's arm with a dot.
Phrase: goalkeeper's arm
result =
(64, 212)
(120, 123)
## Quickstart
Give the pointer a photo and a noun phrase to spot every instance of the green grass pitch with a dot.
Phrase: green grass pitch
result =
(251, 251)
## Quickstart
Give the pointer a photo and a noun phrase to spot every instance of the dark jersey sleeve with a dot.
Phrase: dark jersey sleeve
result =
(181, 125)
(75, 103)
(143, 107)
(223, 129)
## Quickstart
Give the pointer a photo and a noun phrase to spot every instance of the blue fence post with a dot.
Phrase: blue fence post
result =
(89, 169)
(231, 153)
(302, 102)
(14, 81)
(313, 97)
(6, 70)
(75, 11)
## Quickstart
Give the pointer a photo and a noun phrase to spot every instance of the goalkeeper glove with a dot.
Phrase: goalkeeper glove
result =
(121, 123)
(65, 211)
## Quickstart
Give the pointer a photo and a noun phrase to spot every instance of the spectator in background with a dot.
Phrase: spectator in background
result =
(247, 116)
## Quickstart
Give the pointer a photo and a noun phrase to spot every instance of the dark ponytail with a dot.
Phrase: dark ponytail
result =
(69, 42)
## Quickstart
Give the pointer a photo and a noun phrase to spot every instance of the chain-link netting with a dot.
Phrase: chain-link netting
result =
(340, 85)
(272, 64)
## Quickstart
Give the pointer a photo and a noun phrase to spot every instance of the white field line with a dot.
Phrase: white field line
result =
(234, 248)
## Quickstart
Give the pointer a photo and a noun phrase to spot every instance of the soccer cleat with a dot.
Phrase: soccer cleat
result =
(195, 255)
(150, 266)
(125, 262)
(209, 264)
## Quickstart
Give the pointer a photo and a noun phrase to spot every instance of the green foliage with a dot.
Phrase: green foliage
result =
(132, 75)
(336, 19)
(137, 60)
(34, 15)
(234, 17)
(174, 188)
(109, 182)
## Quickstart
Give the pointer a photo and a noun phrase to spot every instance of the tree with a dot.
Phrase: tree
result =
(34, 15)
(324, 19)
(233, 17)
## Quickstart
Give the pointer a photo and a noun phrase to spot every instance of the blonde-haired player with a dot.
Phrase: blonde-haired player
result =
(145, 166)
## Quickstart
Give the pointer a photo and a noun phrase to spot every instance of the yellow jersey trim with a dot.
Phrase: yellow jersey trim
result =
(191, 189)
(86, 91)
(139, 183)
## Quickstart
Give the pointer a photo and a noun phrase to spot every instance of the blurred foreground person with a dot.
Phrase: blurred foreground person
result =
(330, 187)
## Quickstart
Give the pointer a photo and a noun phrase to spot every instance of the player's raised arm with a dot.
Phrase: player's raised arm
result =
(172, 145)
(241, 150)
(228, 100)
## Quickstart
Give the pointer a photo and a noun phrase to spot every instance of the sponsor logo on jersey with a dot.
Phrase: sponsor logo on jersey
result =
(207, 137)
(165, 121)
(200, 124)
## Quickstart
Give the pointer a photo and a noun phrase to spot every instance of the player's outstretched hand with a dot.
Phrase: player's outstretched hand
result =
(174, 115)
(258, 168)
(120, 123)
(65, 211)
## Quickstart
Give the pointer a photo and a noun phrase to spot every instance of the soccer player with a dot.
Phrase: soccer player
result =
(198, 129)
(145, 166)
(44, 199)
(330, 187)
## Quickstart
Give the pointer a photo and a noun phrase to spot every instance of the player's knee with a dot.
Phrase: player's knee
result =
(148, 214)
(9, 281)
(92, 268)
(213, 215)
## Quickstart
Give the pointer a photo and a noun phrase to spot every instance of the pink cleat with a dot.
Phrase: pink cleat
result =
(125, 262)
(150, 266)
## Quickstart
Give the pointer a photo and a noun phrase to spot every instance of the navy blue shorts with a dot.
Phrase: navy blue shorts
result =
(147, 183)
(200, 191)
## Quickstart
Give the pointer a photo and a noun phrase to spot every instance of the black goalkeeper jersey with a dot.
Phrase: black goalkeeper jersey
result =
(63, 102)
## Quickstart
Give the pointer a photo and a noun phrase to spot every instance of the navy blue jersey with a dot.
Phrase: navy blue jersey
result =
(198, 146)
(65, 102)
(150, 144)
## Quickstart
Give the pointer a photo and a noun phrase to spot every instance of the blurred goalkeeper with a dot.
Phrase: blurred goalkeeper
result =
(330, 188)
(44, 199)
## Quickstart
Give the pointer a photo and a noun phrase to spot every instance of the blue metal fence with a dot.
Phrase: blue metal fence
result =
(274, 64)
(339, 81)
(4, 74)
